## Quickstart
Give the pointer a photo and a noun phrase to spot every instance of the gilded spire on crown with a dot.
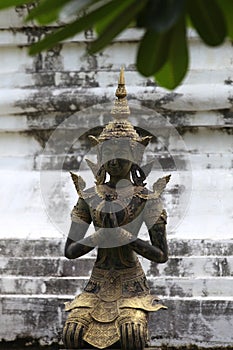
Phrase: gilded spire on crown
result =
(120, 126)
(120, 109)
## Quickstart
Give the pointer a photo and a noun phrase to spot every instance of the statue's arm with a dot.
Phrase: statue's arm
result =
(157, 251)
(81, 220)
(74, 249)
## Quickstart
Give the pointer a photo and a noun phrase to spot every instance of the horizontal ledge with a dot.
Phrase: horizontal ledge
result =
(185, 98)
(156, 278)
(208, 161)
(63, 258)
(22, 36)
(184, 247)
(70, 297)
(86, 77)
(14, 30)
(187, 121)
(36, 296)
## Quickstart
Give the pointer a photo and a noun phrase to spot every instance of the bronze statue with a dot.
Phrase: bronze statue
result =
(116, 300)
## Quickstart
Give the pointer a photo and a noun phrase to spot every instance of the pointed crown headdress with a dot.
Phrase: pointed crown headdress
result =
(120, 126)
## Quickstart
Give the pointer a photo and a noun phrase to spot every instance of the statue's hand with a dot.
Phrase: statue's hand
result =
(109, 238)
(113, 237)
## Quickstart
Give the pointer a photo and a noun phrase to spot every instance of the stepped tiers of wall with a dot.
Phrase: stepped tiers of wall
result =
(48, 104)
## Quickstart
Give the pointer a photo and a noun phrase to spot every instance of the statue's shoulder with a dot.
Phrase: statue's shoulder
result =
(89, 192)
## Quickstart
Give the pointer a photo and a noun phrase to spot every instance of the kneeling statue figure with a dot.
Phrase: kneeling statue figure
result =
(113, 308)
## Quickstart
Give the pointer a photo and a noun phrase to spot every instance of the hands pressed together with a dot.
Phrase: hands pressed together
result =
(108, 238)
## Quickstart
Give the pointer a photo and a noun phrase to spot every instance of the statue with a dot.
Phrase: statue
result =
(113, 309)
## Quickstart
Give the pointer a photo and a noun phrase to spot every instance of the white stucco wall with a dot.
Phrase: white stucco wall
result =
(37, 94)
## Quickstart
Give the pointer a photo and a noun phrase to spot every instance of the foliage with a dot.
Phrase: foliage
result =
(163, 50)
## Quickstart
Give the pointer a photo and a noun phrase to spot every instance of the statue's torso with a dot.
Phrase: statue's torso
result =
(116, 258)
(127, 208)
(126, 204)
(124, 208)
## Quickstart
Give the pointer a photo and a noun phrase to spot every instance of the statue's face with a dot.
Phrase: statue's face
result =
(117, 158)
(118, 167)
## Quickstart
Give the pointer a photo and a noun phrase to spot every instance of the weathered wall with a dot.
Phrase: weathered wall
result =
(40, 93)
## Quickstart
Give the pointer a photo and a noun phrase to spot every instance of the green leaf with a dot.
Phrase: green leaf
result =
(48, 10)
(85, 22)
(10, 3)
(175, 68)
(117, 25)
(47, 17)
(104, 22)
(227, 9)
(160, 15)
(208, 20)
(152, 52)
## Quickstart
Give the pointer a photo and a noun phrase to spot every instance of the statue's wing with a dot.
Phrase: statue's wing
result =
(160, 185)
(93, 166)
(79, 183)
(98, 172)
(147, 168)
